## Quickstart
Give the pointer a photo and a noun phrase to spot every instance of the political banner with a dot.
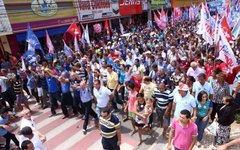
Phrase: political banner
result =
(5, 26)
(92, 9)
(130, 7)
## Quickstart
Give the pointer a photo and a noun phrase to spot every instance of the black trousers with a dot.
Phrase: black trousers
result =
(66, 100)
(35, 94)
(8, 97)
(9, 136)
(88, 111)
(216, 108)
(116, 99)
(76, 103)
(110, 143)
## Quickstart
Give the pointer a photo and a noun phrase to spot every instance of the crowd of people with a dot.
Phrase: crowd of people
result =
(169, 73)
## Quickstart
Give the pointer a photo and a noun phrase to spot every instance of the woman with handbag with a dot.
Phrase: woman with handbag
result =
(204, 110)
(225, 119)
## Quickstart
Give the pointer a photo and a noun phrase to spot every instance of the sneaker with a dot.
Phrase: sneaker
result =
(52, 115)
(84, 131)
(36, 104)
(28, 97)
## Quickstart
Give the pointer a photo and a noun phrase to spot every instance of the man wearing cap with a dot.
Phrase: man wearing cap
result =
(202, 85)
(33, 137)
(183, 100)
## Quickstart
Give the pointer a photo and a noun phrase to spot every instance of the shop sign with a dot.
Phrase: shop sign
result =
(5, 26)
(97, 9)
(44, 8)
(130, 7)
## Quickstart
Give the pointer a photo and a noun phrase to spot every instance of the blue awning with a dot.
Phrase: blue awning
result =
(42, 33)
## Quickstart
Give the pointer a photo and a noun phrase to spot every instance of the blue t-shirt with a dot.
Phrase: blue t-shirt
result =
(121, 76)
(52, 85)
(65, 87)
(31, 83)
(3, 121)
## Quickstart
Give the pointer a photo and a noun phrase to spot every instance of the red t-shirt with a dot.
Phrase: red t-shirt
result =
(114, 55)
(208, 71)
(137, 83)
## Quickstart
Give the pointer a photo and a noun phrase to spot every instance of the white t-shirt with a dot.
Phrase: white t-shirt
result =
(198, 87)
(102, 95)
(195, 73)
(187, 102)
(26, 123)
(38, 145)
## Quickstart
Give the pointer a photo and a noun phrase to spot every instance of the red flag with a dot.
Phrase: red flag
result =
(72, 31)
(226, 29)
(177, 13)
(49, 44)
(107, 28)
(227, 9)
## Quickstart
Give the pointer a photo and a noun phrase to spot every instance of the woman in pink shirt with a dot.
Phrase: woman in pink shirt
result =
(132, 97)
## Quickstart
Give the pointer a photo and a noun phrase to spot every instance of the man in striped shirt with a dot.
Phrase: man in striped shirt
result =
(163, 99)
(110, 128)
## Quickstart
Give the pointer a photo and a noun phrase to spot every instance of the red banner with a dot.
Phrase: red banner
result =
(130, 7)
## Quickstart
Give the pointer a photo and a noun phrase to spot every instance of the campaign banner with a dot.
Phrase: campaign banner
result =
(97, 9)
(144, 5)
(5, 26)
(130, 7)
(215, 7)
(40, 14)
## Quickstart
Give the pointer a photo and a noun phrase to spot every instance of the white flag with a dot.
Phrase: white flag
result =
(76, 47)
(121, 27)
(202, 21)
(225, 51)
(87, 35)
(23, 65)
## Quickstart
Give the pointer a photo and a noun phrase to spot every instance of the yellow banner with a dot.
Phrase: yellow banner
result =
(185, 3)
(20, 11)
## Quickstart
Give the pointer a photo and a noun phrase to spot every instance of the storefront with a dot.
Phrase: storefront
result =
(54, 16)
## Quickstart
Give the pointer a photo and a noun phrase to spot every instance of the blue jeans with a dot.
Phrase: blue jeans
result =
(201, 126)
(99, 111)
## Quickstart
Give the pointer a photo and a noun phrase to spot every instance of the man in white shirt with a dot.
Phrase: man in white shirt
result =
(102, 96)
(194, 70)
(34, 138)
(202, 85)
(183, 100)
(27, 121)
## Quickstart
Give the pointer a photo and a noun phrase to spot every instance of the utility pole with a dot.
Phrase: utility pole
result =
(149, 14)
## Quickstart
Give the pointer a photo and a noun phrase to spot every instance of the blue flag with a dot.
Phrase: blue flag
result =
(33, 40)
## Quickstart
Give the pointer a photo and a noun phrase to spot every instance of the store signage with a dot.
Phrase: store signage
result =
(130, 7)
(97, 9)
(44, 8)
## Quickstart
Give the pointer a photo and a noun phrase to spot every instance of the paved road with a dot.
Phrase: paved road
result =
(66, 134)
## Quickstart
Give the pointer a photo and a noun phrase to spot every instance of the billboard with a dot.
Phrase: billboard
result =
(41, 14)
(5, 26)
(130, 7)
(96, 9)
(185, 3)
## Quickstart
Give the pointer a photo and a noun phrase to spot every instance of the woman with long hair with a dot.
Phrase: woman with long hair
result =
(204, 110)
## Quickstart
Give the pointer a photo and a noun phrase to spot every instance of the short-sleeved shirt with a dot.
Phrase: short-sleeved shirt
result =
(110, 126)
(102, 95)
(148, 89)
(132, 97)
(162, 98)
(3, 121)
(183, 135)
(38, 145)
(202, 109)
(187, 102)
(112, 80)
(198, 87)
(52, 85)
